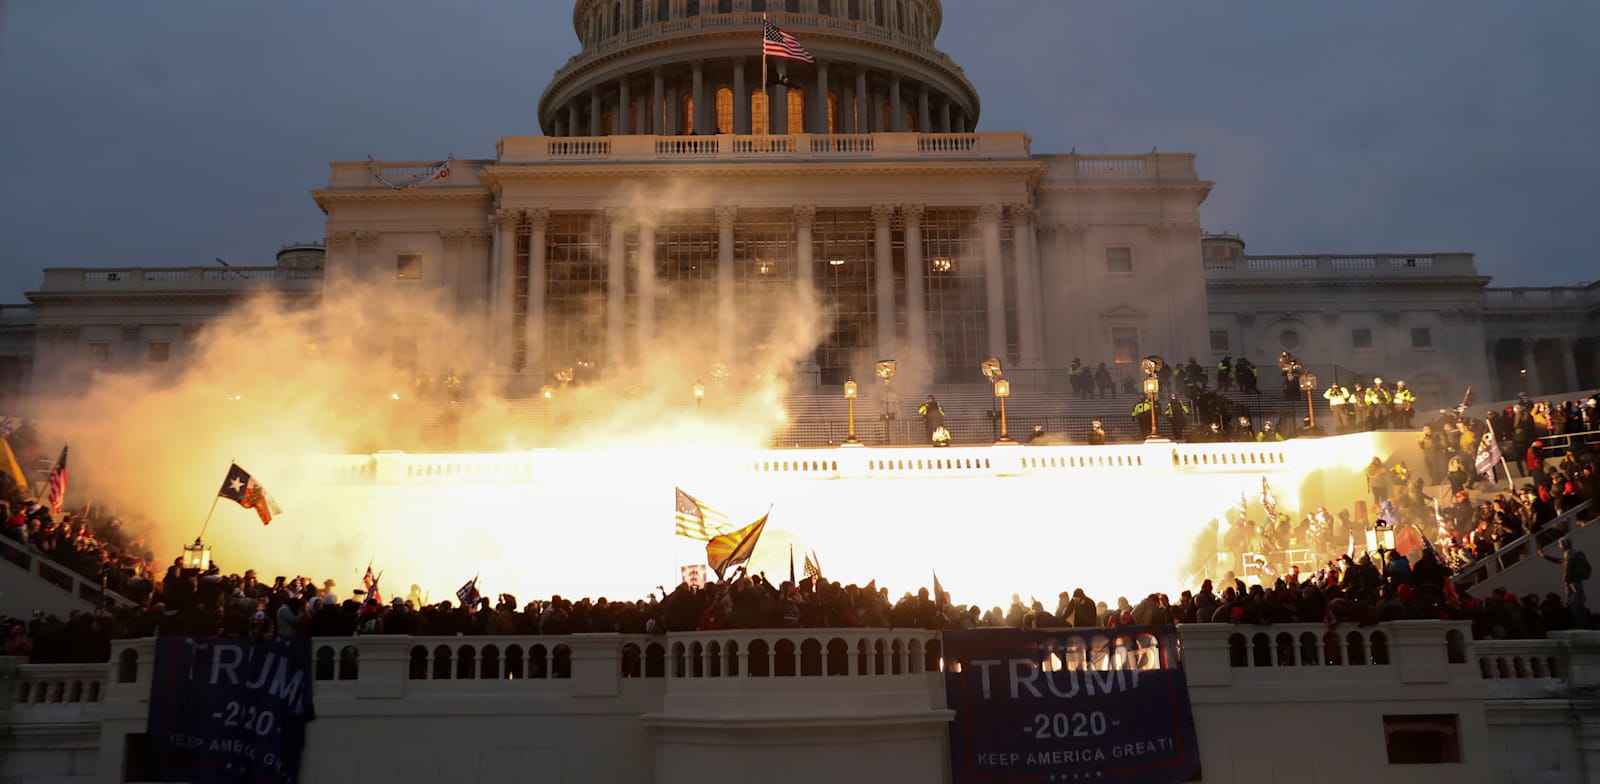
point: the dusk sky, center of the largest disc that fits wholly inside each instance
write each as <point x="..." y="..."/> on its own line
<point x="171" y="133"/>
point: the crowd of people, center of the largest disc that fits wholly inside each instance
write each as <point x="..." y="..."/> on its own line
<point x="1314" y="566"/>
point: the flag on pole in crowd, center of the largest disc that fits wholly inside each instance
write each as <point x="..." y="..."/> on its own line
<point x="696" y="520"/>
<point x="792" y="581"/>
<point x="939" y="602"/>
<point x="12" y="468"/>
<point x="55" y="487"/>
<point x="370" y="583"/>
<point x="726" y="551"/>
<point x="468" y="594"/>
<point x="1268" y="500"/>
<point x="1488" y="455"/>
<point x="813" y="568"/>
<point x="243" y="489"/>
<point x="777" y="43"/>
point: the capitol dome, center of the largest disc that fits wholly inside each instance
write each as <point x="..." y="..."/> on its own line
<point x="671" y="67"/>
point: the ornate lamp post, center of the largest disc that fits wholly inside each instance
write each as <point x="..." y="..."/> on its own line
<point x="196" y="557"/>
<point x="1002" y="390"/>
<point x="1308" y="385"/>
<point x="850" y="399"/>
<point x="885" y="370"/>
<point x="991" y="370"/>
<point x="1152" y="365"/>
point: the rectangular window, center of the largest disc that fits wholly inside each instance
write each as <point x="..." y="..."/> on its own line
<point x="1119" y="261"/>
<point x="160" y="351"/>
<point x="408" y="266"/>
<point x="1421" y="337"/>
<point x="1361" y="337"/>
<point x="1422" y="739"/>
<point x="1219" y="340"/>
<point x="99" y="353"/>
<point x="1124" y="345"/>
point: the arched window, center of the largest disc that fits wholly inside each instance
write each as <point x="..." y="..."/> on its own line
<point x="888" y="124"/>
<point x="608" y="125"/>
<point x="883" y="14"/>
<point x="759" y="116"/>
<point x="638" y="13"/>
<point x="833" y="112"/>
<point x="911" y="121"/>
<point x="633" y="119"/>
<point x="663" y="10"/>
<point x="855" y="9"/>
<point x="797" y="110"/>
<point x="686" y="119"/>
<point x="902" y="16"/>
<point x="724" y="110"/>
<point x="616" y="19"/>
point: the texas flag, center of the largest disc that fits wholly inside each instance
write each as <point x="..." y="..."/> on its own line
<point x="244" y="490"/>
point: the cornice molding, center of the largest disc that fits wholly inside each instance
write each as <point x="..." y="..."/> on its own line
<point x="501" y="174"/>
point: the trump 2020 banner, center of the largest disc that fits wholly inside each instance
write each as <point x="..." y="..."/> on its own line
<point x="1108" y="705"/>
<point x="225" y="710"/>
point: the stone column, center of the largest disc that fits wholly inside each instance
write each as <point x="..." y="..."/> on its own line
<point x="805" y="273"/>
<point x="672" y="124"/>
<point x="1026" y="270"/>
<point x="916" y="294"/>
<point x="944" y="116"/>
<point x="697" y="82"/>
<point x="504" y="288"/>
<point x="863" y="112"/>
<point x="883" y="251"/>
<point x="621" y="126"/>
<point x="572" y="118"/>
<point x="658" y="121"/>
<point x="820" y="122"/>
<point x="616" y="287"/>
<point x="924" y="124"/>
<point x="897" y="114"/>
<point x="727" y="316"/>
<point x="596" y="114"/>
<point x="778" y="110"/>
<point x="847" y="109"/>
<point x="646" y="291"/>
<point x="1569" y="364"/>
<point x="1529" y="364"/>
<point x="993" y="278"/>
<point x="741" y="99"/>
<point x="533" y="331"/>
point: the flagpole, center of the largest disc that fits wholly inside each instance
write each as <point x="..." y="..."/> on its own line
<point x="764" y="97"/>
<point x="1489" y="428"/>
<point x="207" y="524"/>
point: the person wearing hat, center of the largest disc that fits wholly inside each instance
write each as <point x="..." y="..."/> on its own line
<point x="1339" y="402"/>
<point x="1097" y="434"/>
<point x="1403" y="401"/>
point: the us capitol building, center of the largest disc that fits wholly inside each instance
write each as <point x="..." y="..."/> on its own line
<point x="668" y="189"/>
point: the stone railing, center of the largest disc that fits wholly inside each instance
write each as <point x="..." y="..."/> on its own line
<point x="1522" y="298"/>
<point x="1396" y="652"/>
<point x="1452" y="264"/>
<point x="1537" y="669"/>
<point x="79" y="592"/>
<point x="1527" y="546"/>
<point x="845" y="462"/>
<point x="724" y="147"/>
<point x="54" y="693"/>
<point x="149" y="279"/>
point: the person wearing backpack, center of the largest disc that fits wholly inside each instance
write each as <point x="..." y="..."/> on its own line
<point x="1575" y="570"/>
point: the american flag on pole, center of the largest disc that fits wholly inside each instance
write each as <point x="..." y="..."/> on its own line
<point x="696" y="520"/>
<point x="777" y="43"/>
<point x="56" y="485"/>
<point x="468" y="594"/>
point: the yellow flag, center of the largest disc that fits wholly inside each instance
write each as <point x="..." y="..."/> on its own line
<point x="10" y="465"/>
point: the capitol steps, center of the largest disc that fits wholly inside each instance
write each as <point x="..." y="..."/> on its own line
<point x="1518" y="568"/>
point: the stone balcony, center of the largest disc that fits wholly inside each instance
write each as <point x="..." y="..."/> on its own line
<point x="142" y="280"/>
<point x="1398" y="266"/>
<point x="1543" y="298"/>
<point x="1011" y="146"/>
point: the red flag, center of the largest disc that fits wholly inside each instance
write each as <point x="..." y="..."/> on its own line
<point x="56" y="484"/>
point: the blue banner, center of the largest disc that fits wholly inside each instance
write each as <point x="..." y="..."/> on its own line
<point x="1108" y="705"/>
<point x="226" y="710"/>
